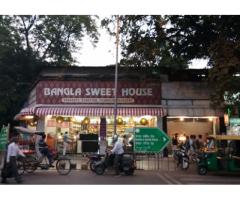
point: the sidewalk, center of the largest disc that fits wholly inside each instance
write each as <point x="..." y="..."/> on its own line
<point x="143" y="162"/>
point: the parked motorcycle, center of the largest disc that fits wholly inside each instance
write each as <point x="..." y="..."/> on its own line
<point x="197" y="156"/>
<point x="92" y="159"/>
<point x="127" y="165"/>
<point x="180" y="157"/>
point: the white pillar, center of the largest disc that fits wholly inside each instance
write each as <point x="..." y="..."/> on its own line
<point x="159" y="122"/>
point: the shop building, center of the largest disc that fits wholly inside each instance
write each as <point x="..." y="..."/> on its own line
<point x="80" y="100"/>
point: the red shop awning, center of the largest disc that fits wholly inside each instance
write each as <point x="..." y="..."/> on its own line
<point x="25" y="111"/>
<point x="100" y="111"/>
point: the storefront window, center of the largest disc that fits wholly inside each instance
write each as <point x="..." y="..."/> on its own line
<point x="126" y="128"/>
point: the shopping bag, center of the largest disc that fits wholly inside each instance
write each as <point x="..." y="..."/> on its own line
<point x="6" y="172"/>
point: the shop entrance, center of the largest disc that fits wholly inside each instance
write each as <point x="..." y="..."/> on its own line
<point x="191" y="126"/>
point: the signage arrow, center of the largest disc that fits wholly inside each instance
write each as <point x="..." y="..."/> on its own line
<point x="149" y="139"/>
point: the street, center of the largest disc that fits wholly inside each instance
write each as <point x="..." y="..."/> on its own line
<point x="140" y="177"/>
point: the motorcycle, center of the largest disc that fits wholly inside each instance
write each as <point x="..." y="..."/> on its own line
<point x="181" y="158"/>
<point x="127" y="165"/>
<point x="197" y="157"/>
<point x="92" y="159"/>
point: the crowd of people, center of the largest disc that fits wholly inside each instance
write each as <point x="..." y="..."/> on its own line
<point x="191" y="143"/>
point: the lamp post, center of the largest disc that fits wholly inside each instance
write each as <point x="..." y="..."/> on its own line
<point x="116" y="79"/>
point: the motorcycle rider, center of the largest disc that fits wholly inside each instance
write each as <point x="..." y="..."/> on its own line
<point x="118" y="150"/>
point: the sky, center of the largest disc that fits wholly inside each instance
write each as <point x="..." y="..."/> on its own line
<point x="105" y="52"/>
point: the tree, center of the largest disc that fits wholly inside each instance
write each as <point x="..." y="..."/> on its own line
<point x="55" y="37"/>
<point x="29" y="42"/>
<point x="143" y="41"/>
<point x="154" y="40"/>
<point x="11" y="56"/>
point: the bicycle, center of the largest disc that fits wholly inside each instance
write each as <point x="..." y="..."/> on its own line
<point x="31" y="163"/>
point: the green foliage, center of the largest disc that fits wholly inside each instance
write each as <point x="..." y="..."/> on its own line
<point x="174" y="40"/>
<point x="143" y="40"/>
<point x="30" y="42"/>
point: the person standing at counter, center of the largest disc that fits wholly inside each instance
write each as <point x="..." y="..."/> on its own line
<point x="175" y="142"/>
<point x="65" y="142"/>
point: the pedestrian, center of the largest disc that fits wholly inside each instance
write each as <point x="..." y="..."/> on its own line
<point x="199" y="143"/>
<point x="118" y="151"/>
<point x="65" y="142"/>
<point x="175" y="142"/>
<point x="44" y="150"/>
<point x="205" y="139"/>
<point x="124" y="143"/>
<point x="187" y="145"/>
<point x="12" y="152"/>
<point x="4" y="178"/>
<point x="191" y="147"/>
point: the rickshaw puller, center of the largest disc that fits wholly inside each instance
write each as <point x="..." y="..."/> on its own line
<point x="44" y="150"/>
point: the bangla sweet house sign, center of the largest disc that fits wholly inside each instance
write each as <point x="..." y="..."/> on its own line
<point x="95" y="92"/>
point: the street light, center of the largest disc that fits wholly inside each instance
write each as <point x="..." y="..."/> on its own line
<point x="116" y="79"/>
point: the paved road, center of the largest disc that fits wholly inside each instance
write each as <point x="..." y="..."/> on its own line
<point x="140" y="177"/>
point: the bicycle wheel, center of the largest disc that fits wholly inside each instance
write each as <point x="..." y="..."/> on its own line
<point x="31" y="164"/>
<point x="21" y="167"/>
<point x="63" y="166"/>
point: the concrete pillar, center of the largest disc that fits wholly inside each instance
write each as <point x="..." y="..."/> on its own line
<point x="159" y="122"/>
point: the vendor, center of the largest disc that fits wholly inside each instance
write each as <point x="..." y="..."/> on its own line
<point x="32" y="142"/>
<point x="49" y="136"/>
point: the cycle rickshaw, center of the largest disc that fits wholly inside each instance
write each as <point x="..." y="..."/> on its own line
<point x="35" y="159"/>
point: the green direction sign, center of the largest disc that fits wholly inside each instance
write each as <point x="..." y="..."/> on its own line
<point x="149" y="139"/>
<point x="3" y="138"/>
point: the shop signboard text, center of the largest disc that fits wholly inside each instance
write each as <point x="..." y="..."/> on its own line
<point x="95" y="92"/>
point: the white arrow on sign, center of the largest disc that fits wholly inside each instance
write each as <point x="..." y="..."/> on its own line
<point x="164" y="139"/>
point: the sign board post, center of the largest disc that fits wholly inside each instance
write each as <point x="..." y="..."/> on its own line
<point x="149" y="139"/>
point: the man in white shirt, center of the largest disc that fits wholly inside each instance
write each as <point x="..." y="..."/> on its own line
<point x="13" y="151"/>
<point x="118" y="150"/>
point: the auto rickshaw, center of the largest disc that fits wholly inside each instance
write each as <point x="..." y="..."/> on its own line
<point x="215" y="157"/>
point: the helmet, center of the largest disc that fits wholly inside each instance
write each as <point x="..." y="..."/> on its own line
<point x="114" y="138"/>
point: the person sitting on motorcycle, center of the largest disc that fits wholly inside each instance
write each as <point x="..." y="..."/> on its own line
<point x="118" y="150"/>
